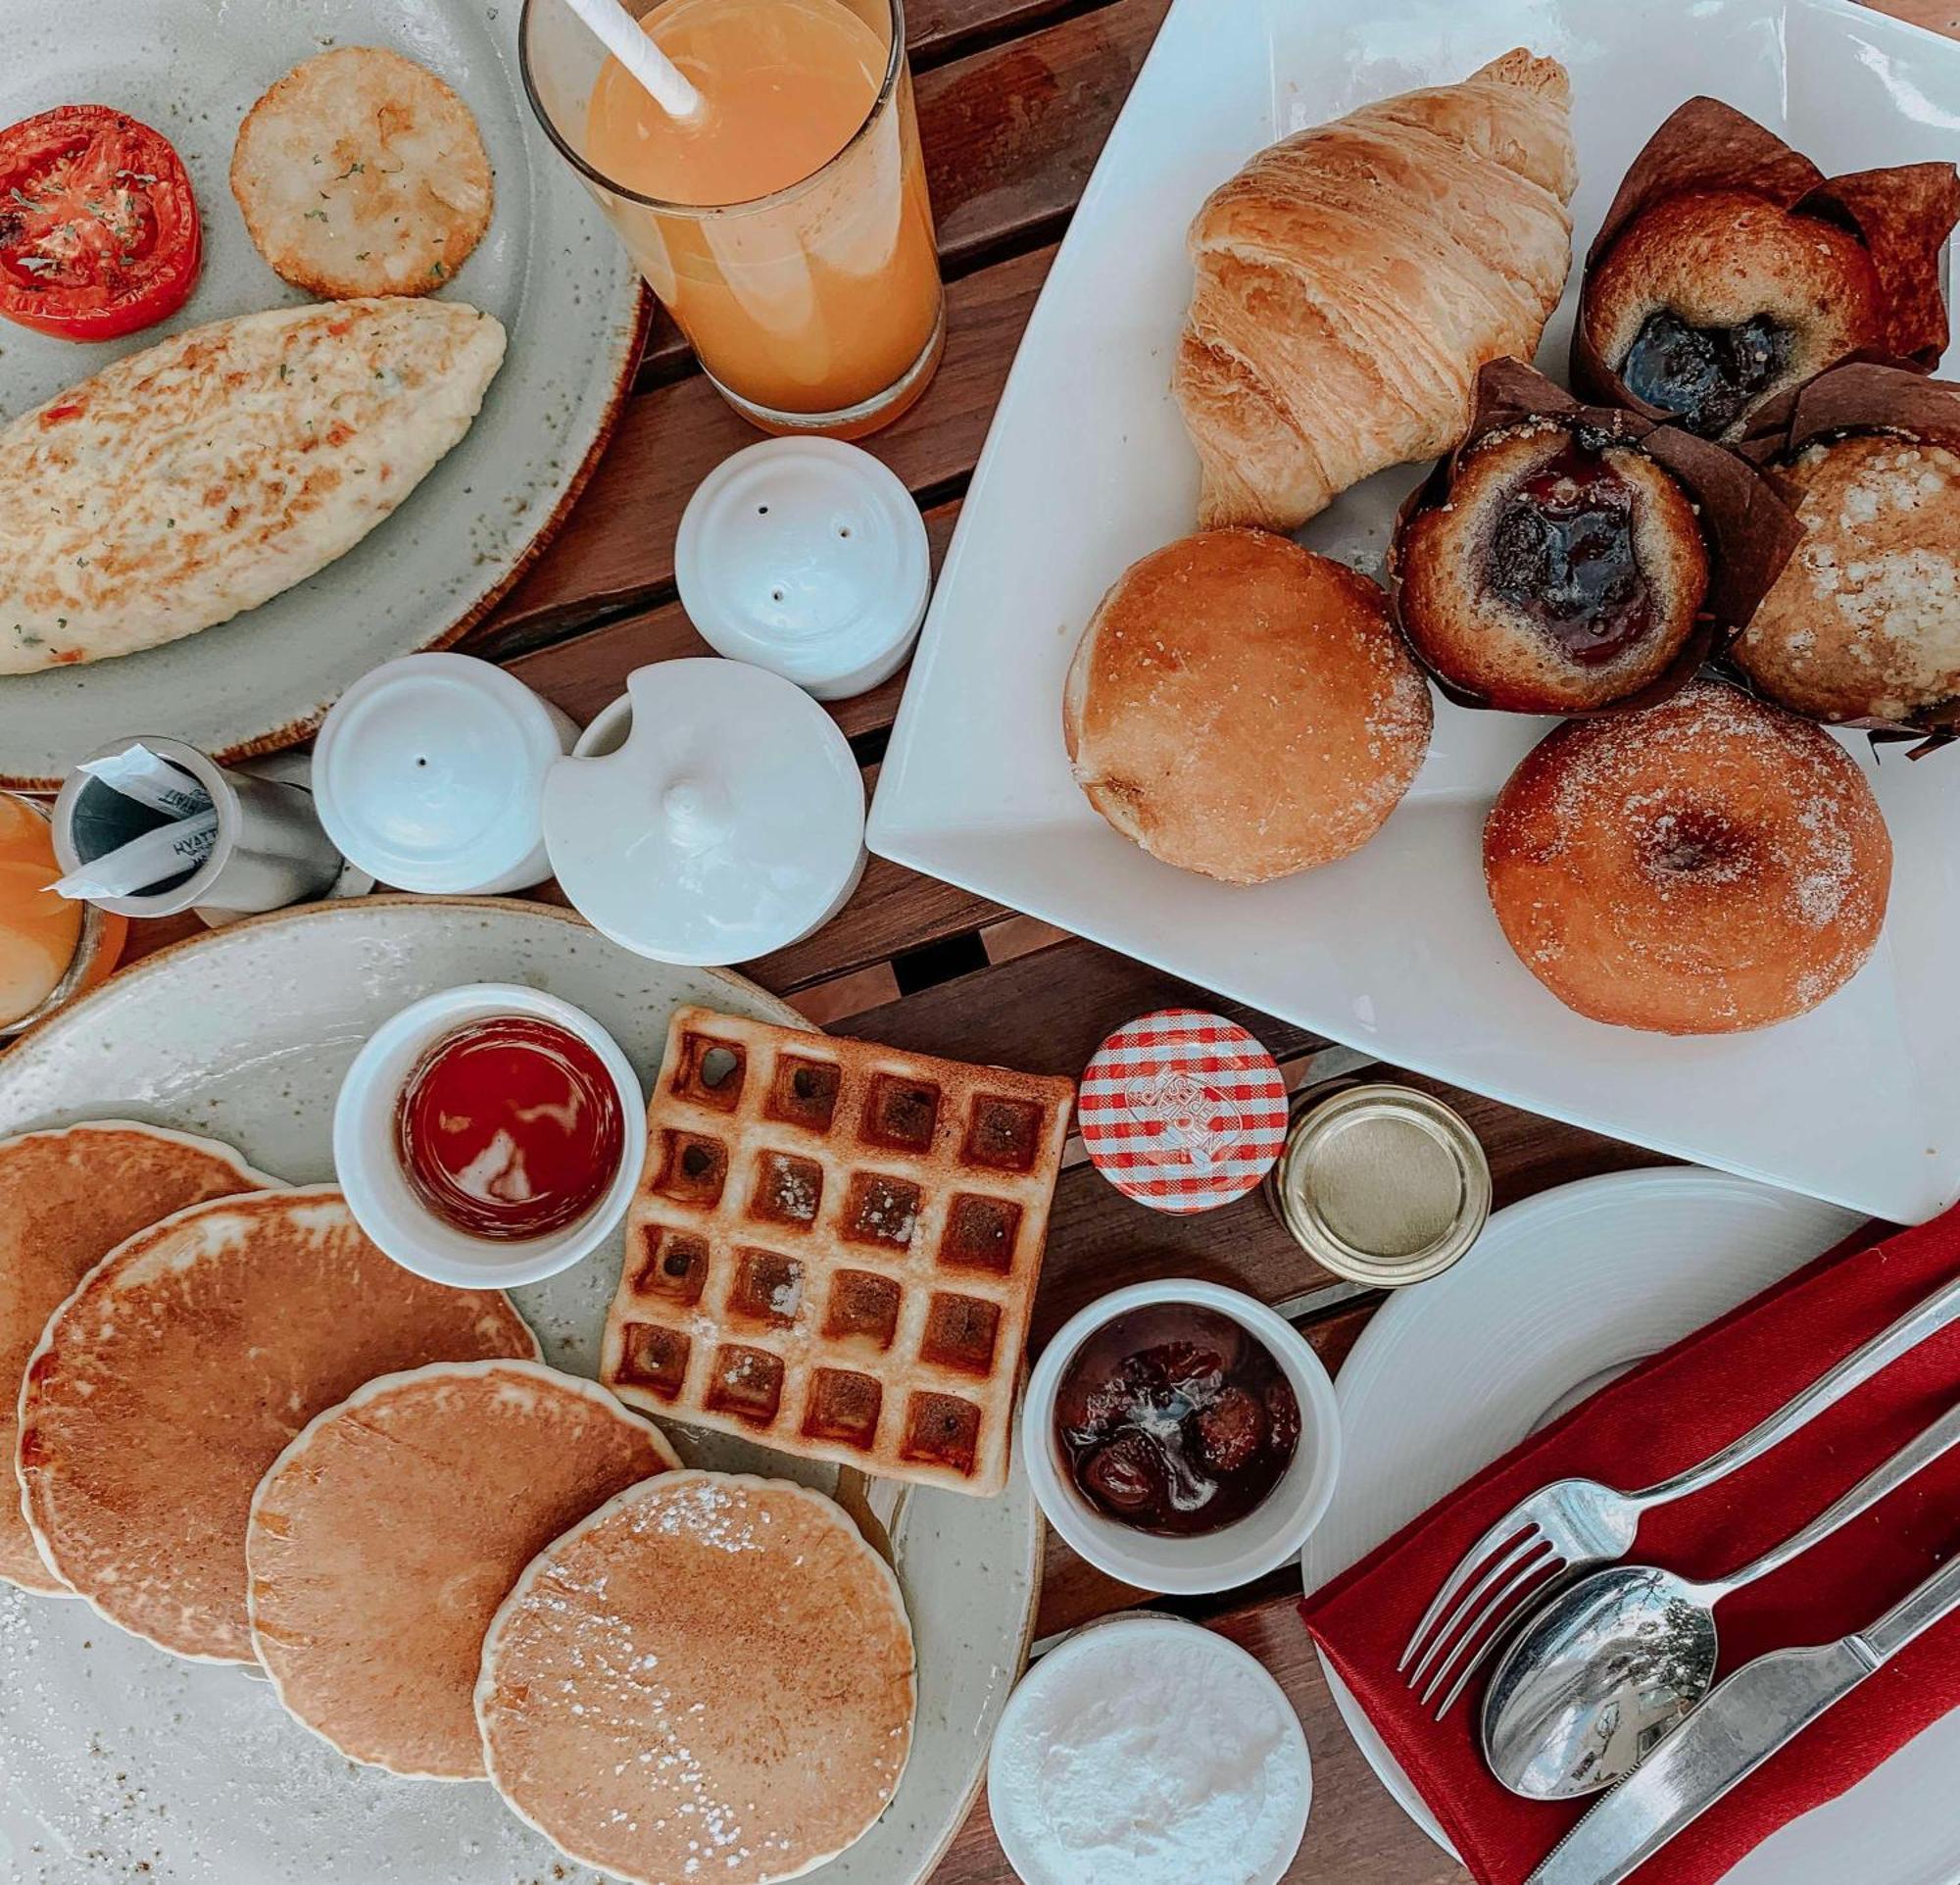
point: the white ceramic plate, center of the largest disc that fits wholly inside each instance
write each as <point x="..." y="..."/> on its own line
<point x="548" y="269"/>
<point x="1560" y="1294"/>
<point x="114" y="1754"/>
<point x="1394" y="950"/>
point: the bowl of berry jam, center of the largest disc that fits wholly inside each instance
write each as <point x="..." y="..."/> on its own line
<point x="1181" y="1436"/>
<point x="489" y="1135"/>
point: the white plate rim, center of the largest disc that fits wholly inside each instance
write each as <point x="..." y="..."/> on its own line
<point x="48" y="1033"/>
<point x="1371" y="1357"/>
<point x="908" y="831"/>
<point x="619" y="324"/>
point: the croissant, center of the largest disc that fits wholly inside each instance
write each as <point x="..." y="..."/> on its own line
<point x="1353" y="278"/>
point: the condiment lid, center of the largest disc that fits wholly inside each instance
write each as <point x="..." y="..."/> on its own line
<point x="1182" y="1110"/>
<point x="429" y="773"/>
<point x="1383" y="1184"/>
<point x="730" y="822"/>
<point x="809" y="557"/>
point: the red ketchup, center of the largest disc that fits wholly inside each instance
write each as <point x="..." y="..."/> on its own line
<point x="509" y="1128"/>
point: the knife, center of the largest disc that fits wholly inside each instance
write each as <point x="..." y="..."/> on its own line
<point x="1762" y="1708"/>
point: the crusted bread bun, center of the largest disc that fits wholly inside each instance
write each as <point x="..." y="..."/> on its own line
<point x="1241" y="707"/>
<point x="1864" y="623"/>
<point x="360" y="173"/>
<point x="1710" y="864"/>
<point x="1713" y="301"/>
<point x="1564" y="572"/>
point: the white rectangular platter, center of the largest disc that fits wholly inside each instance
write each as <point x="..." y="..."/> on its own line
<point x="1394" y="950"/>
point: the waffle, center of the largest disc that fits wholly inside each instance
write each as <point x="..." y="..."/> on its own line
<point x="834" y="1248"/>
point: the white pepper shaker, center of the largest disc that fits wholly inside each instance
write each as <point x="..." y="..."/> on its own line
<point x="429" y="773"/>
<point x="809" y="557"/>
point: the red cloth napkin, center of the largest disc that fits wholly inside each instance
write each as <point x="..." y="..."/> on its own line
<point x="1667" y="1415"/>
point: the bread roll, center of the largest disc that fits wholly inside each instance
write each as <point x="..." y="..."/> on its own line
<point x="1352" y="279"/>
<point x="1241" y="707"/>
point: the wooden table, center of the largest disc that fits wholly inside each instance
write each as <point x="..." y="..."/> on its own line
<point x="1014" y="98"/>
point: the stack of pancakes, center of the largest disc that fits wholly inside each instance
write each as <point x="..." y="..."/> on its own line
<point x="245" y="1436"/>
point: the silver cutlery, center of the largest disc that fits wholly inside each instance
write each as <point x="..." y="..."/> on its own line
<point x="1613" y="1663"/>
<point x="1760" y="1709"/>
<point x="1576" y="1525"/>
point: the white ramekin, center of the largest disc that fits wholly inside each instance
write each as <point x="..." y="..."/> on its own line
<point x="1236" y="1554"/>
<point x="370" y="1170"/>
<point x="1076" y="1658"/>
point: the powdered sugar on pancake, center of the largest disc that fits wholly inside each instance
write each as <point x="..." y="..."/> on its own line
<point x="712" y="1677"/>
<point x="382" y="1540"/>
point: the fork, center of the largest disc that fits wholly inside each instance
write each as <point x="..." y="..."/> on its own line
<point x="1576" y="1525"/>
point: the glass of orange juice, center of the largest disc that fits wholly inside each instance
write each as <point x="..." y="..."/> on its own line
<point x="50" y="949"/>
<point x="785" y="226"/>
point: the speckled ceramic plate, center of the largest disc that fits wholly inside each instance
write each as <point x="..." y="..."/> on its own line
<point x="548" y="269"/>
<point x="118" y="1760"/>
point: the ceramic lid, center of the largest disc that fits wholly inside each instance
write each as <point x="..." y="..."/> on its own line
<point x="430" y="772"/>
<point x="730" y="822"/>
<point x="806" y="557"/>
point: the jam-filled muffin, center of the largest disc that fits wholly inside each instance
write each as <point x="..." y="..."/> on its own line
<point x="1565" y="571"/>
<point x="1711" y="301"/>
<point x="1864" y="623"/>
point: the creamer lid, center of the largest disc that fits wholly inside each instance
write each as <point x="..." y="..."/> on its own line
<point x="728" y="824"/>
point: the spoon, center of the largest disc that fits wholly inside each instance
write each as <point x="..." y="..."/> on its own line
<point x="1613" y="1662"/>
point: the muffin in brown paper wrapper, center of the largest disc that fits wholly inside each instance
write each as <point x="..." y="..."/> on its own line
<point x="1747" y="529"/>
<point x="1867" y="393"/>
<point x="1902" y="215"/>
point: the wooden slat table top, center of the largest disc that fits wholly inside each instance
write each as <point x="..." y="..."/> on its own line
<point x="1016" y="98"/>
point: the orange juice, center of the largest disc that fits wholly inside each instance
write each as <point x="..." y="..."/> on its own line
<point x="803" y="271"/>
<point x="39" y="931"/>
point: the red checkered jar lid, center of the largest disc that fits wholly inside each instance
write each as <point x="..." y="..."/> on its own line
<point x="1182" y="1110"/>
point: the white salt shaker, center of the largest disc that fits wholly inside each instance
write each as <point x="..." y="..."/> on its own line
<point x="429" y="773"/>
<point x="809" y="557"/>
<point x="713" y="814"/>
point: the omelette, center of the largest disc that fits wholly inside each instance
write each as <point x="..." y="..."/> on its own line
<point x="214" y="470"/>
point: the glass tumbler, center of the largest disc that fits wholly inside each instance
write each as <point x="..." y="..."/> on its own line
<point x="816" y="309"/>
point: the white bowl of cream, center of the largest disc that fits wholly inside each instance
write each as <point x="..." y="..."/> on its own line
<point x="1147" y="1750"/>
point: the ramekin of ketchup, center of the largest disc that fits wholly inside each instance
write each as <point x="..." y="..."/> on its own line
<point x="489" y="1135"/>
<point x="1181" y="1436"/>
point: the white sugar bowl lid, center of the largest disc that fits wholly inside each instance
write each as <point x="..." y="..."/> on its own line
<point x="429" y="773"/>
<point x="713" y="814"/>
<point x="809" y="557"/>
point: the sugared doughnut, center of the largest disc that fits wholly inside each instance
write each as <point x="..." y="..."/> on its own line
<point x="1565" y="571"/>
<point x="1241" y="706"/>
<point x="1710" y="301"/>
<point x="1710" y="864"/>
<point x="1864" y="623"/>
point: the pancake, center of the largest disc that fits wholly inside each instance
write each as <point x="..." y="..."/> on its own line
<point x="709" y="1678"/>
<point x="177" y="1372"/>
<point x="67" y="1199"/>
<point x="385" y="1536"/>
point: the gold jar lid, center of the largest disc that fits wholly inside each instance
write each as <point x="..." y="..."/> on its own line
<point x="1381" y="1184"/>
